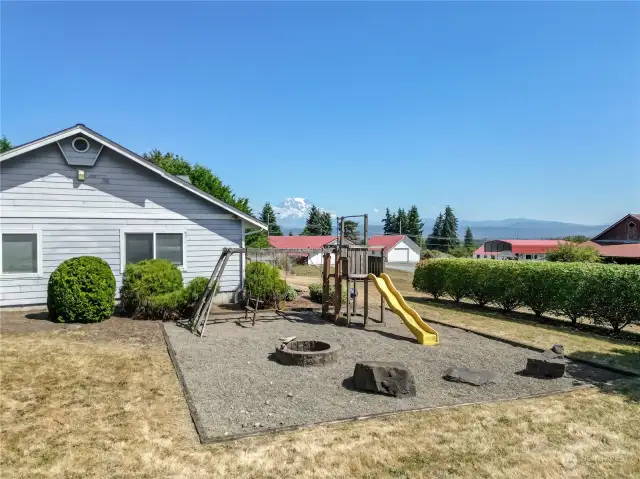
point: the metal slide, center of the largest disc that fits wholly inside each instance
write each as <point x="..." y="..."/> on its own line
<point x="424" y="333"/>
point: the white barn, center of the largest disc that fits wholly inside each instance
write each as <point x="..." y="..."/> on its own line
<point x="76" y="193"/>
<point x="397" y="248"/>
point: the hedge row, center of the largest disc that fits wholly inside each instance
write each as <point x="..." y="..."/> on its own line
<point x="605" y="294"/>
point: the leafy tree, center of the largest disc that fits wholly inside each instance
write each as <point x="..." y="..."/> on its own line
<point x="290" y="233"/>
<point x="351" y="231"/>
<point x="269" y="217"/>
<point x="461" y="251"/>
<point x="576" y="238"/>
<point x="401" y="221"/>
<point x="468" y="238"/>
<point x="318" y="223"/>
<point x="257" y="240"/>
<point x="5" y="144"/>
<point x="200" y="176"/>
<point x="434" y="241"/>
<point x="415" y="226"/>
<point x="569" y="252"/>
<point x="389" y="223"/>
<point x="450" y="228"/>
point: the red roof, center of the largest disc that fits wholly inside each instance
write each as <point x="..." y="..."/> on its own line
<point x="388" y="241"/>
<point x="522" y="246"/>
<point x="312" y="242"/>
<point x="616" y="250"/>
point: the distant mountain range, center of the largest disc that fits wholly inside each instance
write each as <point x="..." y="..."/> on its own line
<point x="293" y="211"/>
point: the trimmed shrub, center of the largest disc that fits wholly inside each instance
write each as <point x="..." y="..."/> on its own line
<point x="459" y="280"/>
<point x="174" y="305"/>
<point x="615" y="293"/>
<point x="82" y="290"/>
<point x="289" y="294"/>
<point x="151" y="277"/>
<point x="506" y="287"/>
<point x="263" y="282"/>
<point x="430" y="277"/>
<point x="541" y="286"/>
<point x="315" y="293"/>
<point x="572" y="296"/>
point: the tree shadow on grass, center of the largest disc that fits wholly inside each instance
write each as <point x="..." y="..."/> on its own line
<point x="584" y="329"/>
<point x="609" y="382"/>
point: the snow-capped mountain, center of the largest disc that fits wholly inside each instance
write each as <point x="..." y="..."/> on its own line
<point x="292" y="210"/>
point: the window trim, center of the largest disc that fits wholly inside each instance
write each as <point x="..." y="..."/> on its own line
<point x="73" y="144"/>
<point x="154" y="230"/>
<point x="38" y="273"/>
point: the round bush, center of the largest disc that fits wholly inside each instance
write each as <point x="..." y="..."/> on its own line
<point x="263" y="282"/>
<point x="81" y="290"/>
<point x="151" y="277"/>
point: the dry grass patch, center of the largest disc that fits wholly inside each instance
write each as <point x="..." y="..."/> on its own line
<point x="73" y="407"/>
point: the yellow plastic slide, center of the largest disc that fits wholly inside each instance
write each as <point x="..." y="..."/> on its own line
<point x="424" y="333"/>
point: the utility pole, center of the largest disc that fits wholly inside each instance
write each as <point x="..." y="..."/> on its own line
<point x="400" y="221"/>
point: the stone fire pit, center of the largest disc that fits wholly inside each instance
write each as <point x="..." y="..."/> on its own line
<point x="306" y="353"/>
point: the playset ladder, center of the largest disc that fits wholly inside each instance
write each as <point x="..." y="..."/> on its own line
<point x="203" y="307"/>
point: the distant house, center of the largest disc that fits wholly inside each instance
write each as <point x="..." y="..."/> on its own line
<point x="304" y="242"/>
<point x="518" y="249"/>
<point x="397" y="248"/>
<point x="620" y="242"/>
<point x="77" y="193"/>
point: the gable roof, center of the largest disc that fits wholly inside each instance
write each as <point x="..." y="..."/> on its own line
<point x="311" y="242"/>
<point x="535" y="246"/>
<point x="635" y="216"/>
<point x="391" y="241"/>
<point x="80" y="129"/>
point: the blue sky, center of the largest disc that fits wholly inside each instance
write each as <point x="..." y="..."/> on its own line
<point x="499" y="109"/>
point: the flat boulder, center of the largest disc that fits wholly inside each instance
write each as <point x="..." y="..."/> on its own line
<point x="390" y="378"/>
<point x="476" y="377"/>
<point x="548" y="365"/>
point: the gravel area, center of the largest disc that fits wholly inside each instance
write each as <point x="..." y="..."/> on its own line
<point x="235" y="387"/>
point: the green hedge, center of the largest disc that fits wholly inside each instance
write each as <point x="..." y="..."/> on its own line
<point x="605" y="294"/>
<point x="151" y="277"/>
<point x="263" y="282"/>
<point x="81" y="289"/>
<point x="174" y="305"/>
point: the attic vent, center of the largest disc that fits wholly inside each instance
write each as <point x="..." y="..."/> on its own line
<point x="80" y="144"/>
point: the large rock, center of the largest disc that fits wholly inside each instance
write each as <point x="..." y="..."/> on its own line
<point x="549" y="364"/>
<point x="476" y="377"/>
<point x="389" y="378"/>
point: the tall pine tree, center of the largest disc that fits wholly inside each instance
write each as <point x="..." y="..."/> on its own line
<point x="414" y="225"/>
<point x="318" y="223"/>
<point x="434" y="241"/>
<point x="389" y="223"/>
<point x="450" y="229"/>
<point x="468" y="238"/>
<point x="268" y="217"/>
<point x="401" y="222"/>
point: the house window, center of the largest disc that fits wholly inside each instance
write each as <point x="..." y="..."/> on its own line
<point x="141" y="246"/>
<point x="477" y="256"/>
<point x="528" y="256"/>
<point x="20" y="253"/>
<point x="80" y="144"/>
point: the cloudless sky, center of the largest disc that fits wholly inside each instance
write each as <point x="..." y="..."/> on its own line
<point x="499" y="109"/>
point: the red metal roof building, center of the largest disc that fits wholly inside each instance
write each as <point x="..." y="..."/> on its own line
<point x="313" y="242"/>
<point x="517" y="249"/>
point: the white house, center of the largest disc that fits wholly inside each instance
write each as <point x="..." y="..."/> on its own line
<point x="397" y="248"/>
<point x="76" y="193"/>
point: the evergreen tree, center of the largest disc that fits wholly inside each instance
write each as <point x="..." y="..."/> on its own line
<point x="468" y="238"/>
<point x="318" y="223"/>
<point x="434" y="241"/>
<point x="351" y="231"/>
<point x="449" y="229"/>
<point x="5" y="144"/>
<point x="389" y="223"/>
<point x="268" y="217"/>
<point x="290" y="233"/>
<point x="401" y="222"/>
<point x="414" y="225"/>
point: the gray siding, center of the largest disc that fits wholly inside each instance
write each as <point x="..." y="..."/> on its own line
<point x="40" y="192"/>
<point x="75" y="158"/>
